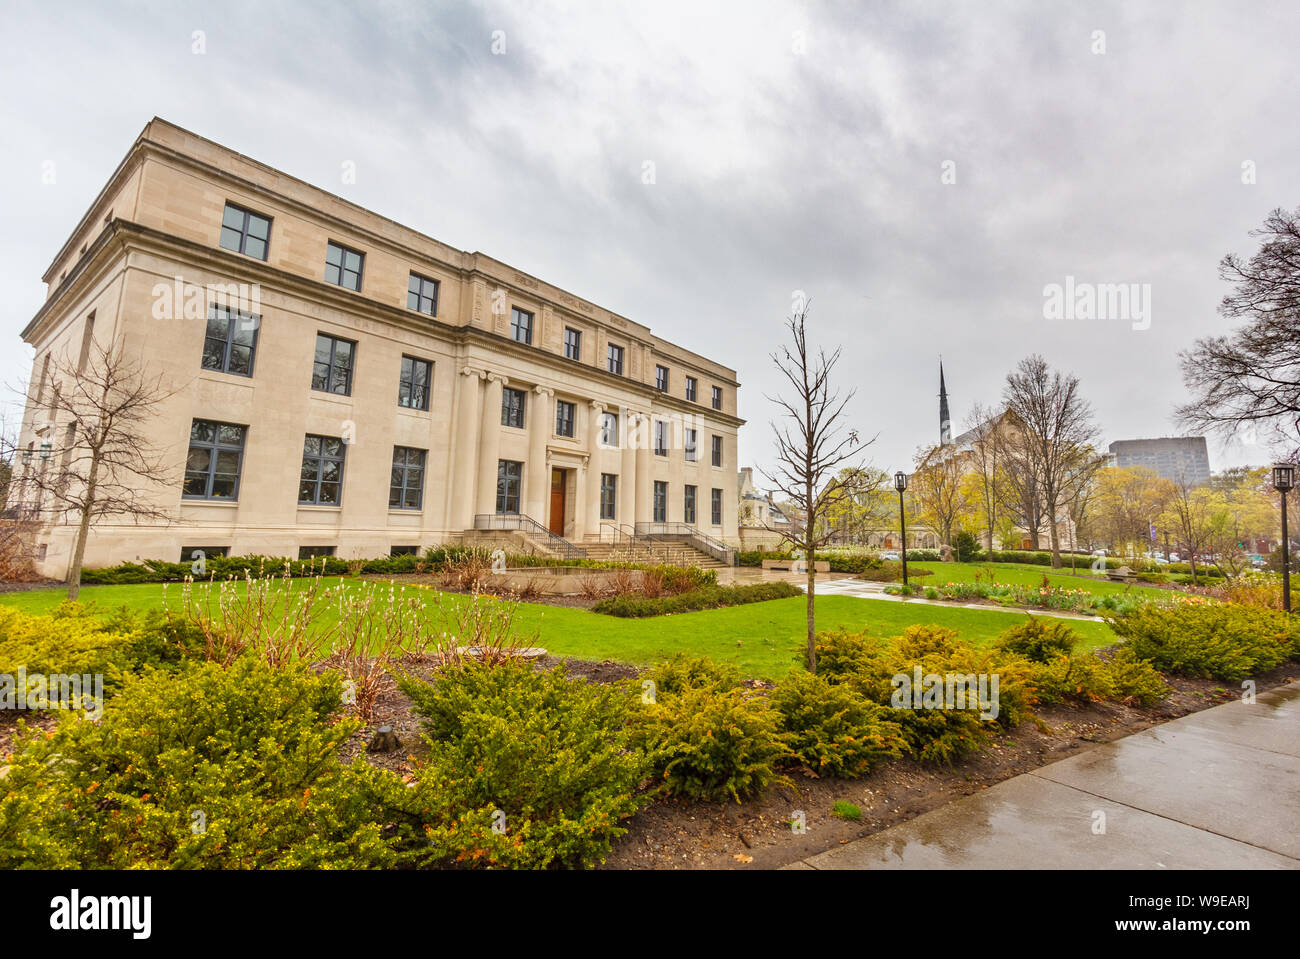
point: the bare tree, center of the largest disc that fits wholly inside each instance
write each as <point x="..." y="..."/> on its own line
<point x="1056" y="421"/>
<point x="1018" y="492"/>
<point x="985" y="426"/>
<point x="812" y="447"/>
<point x="103" y="459"/>
<point x="1251" y="379"/>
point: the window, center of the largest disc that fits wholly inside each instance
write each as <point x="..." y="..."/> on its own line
<point x="691" y="385"/>
<point x="214" y="460"/>
<point x="509" y="477"/>
<point x="661" y="379"/>
<point x="715" y="507"/>
<point x="661" y="438"/>
<point x="332" y="368"/>
<point x="205" y="552"/>
<point x="609" y="429"/>
<point x="572" y="343"/>
<point x="413" y="383"/>
<point x="564" y="413"/>
<point x="608" y="495"/>
<point x="690" y="446"/>
<point x="616" y="359"/>
<point x="688" y="505"/>
<point x="512" y="408"/>
<point x="343" y="266"/>
<point x="245" y="231"/>
<point x="230" y="341"/>
<point x="521" y="326"/>
<point x="422" y="295"/>
<point x="661" y="501"/>
<point x="717" y="451"/>
<point x="321" y="480"/>
<point x="404" y="551"/>
<point x="406" y="488"/>
<point x="717" y="397"/>
<point x="314" y="552"/>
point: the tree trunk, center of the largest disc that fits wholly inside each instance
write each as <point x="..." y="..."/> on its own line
<point x="83" y="530"/>
<point x="812" y="595"/>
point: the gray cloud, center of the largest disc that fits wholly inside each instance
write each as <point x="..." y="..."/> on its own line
<point x="775" y="170"/>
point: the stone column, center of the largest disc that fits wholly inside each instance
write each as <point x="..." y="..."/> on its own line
<point x="625" y="504"/>
<point x="463" y="489"/>
<point x="489" y="443"/>
<point x="644" y="486"/>
<point x="537" y="482"/>
<point x="588" y="504"/>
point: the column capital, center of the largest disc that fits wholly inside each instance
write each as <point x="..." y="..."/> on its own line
<point x="497" y="378"/>
<point x="471" y="371"/>
<point x="598" y="406"/>
<point x="543" y="391"/>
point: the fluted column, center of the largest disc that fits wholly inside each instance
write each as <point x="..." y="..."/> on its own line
<point x="644" y="488"/>
<point x="489" y="443"/>
<point x="537" y="485"/>
<point x="588" y="504"/>
<point x="625" y="505"/>
<point x="464" y="491"/>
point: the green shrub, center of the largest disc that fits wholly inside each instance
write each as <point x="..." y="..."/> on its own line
<point x="68" y="640"/>
<point x="712" y="597"/>
<point x="712" y="743"/>
<point x="832" y="729"/>
<point x="203" y="768"/>
<point x="1087" y="677"/>
<point x="685" y="671"/>
<point x="1222" y="641"/>
<point x="1038" y="639"/>
<point x="543" y="758"/>
<point x="966" y="547"/>
<point x="840" y="654"/>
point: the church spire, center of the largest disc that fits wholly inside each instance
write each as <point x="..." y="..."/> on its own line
<point x="945" y="422"/>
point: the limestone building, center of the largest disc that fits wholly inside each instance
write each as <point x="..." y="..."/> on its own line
<point x="344" y="384"/>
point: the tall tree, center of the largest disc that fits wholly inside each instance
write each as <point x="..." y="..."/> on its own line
<point x="939" y="490"/>
<point x="812" y="447"/>
<point x="104" y="461"/>
<point x="984" y="426"/>
<point x="1251" y="378"/>
<point x="1056" y="421"/>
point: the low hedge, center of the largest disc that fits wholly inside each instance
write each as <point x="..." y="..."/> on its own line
<point x="1211" y="640"/>
<point x="840" y="562"/>
<point x="636" y="607"/>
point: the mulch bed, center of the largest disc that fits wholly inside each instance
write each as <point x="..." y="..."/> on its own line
<point x="676" y="834"/>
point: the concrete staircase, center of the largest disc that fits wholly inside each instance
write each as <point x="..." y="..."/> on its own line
<point x="669" y="552"/>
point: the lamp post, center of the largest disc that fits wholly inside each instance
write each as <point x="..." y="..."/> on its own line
<point x="1283" y="481"/>
<point x="900" y="484"/>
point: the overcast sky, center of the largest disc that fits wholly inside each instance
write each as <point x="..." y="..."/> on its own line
<point x="795" y="146"/>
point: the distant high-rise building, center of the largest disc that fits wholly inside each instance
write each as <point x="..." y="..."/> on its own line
<point x="1182" y="459"/>
<point x="945" y="422"/>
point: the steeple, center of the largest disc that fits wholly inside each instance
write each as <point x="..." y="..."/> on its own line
<point x="945" y="422"/>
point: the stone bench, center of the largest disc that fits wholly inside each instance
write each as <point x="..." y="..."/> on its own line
<point x="821" y="565"/>
<point x="1121" y="575"/>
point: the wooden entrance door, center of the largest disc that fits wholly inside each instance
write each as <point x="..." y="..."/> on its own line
<point x="557" y="502"/>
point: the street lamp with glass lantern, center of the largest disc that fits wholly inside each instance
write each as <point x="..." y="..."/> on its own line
<point x="1283" y="482"/>
<point x="900" y="484"/>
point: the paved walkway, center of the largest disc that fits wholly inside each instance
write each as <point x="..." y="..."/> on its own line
<point x="1217" y="789"/>
<point x="864" y="589"/>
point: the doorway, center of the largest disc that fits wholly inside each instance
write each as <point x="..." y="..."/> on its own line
<point x="558" y="490"/>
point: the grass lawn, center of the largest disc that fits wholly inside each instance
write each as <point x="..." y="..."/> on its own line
<point x="1024" y="574"/>
<point x="759" y="637"/>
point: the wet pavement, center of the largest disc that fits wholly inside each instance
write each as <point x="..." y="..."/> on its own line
<point x="1216" y="789"/>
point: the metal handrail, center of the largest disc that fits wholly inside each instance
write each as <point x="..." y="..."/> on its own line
<point x="623" y="531"/>
<point x="530" y="526"/>
<point x="701" y="541"/>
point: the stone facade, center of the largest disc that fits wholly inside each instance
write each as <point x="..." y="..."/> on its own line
<point x="150" y="263"/>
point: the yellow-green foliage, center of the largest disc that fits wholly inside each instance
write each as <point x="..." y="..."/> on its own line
<point x="1039" y="638"/>
<point x="526" y="768"/>
<point x="206" y="768"/>
<point x="832" y="729"/>
<point x="1222" y="641"/>
<point x="709" y="742"/>
<point x="1124" y="677"/>
<point x="69" y="640"/>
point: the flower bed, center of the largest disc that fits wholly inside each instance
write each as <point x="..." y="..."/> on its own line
<point x="1045" y="597"/>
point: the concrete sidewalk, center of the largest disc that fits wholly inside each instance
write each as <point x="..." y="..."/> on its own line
<point x="865" y="589"/>
<point x="1217" y="789"/>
